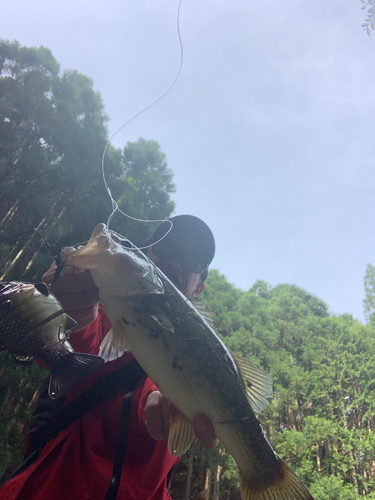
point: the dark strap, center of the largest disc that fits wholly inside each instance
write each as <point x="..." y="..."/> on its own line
<point x="106" y="387"/>
<point x="30" y="459"/>
<point x="121" y="448"/>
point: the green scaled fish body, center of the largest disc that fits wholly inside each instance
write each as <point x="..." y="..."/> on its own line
<point x="188" y="362"/>
<point x="33" y="324"/>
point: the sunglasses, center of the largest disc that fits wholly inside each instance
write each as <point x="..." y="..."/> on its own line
<point x="188" y="261"/>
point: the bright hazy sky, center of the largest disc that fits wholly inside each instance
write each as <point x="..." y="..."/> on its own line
<point x="269" y="130"/>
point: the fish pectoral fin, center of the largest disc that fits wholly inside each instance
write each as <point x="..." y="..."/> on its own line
<point x="107" y="351"/>
<point x="117" y="337"/>
<point x="181" y="433"/>
<point x="163" y="321"/>
<point x="285" y="485"/>
<point x="256" y="382"/>
<point x="156" y="318"/>
<point x="68" y="370"/>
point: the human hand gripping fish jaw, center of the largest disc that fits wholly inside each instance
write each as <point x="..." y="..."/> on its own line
<point x="115" y="269"/>
<point x="186" y="360"/>
<point x="158" y="409"/>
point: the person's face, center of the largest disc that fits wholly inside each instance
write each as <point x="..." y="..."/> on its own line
<point x="188" y="282"/>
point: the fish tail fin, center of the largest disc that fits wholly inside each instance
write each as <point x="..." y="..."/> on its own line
<point x="287" y="486"/>
<point x="69" y="369"/>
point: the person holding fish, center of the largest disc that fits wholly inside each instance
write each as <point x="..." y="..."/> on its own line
<point x="106" y="438"/>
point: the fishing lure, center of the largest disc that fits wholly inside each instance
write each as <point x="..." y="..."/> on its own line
<point x="33" y="324"/>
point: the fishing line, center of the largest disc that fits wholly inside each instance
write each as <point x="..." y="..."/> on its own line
<point x="115" y="207"/>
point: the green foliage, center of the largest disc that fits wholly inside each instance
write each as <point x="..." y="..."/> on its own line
<point x="18" y="389"/>
<point x="52" y="136"/>
<point x="370" y="20"/>
<point x="369" y="301"/>
<point x="331" y="487"/>
<point x="144" y="188"/>
<point x="321" y="420"/>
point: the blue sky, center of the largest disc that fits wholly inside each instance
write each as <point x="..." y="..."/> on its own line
<point x="269" y="130"/>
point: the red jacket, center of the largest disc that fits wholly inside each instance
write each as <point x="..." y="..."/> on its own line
<point x="78" y="463"/>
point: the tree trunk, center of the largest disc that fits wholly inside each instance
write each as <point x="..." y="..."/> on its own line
<point x="21" y="252"/>
<point x="190" y="472"/>
<point x="217" y="482"/>
<point x="215" y="493"/>
<point x="351" y="456"/>
<point x="207" y="485"/>
<point x="42" y="243"/>
<point x="9" y="215"/>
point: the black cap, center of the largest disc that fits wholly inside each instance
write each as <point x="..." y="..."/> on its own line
<point x="195" y="228"/>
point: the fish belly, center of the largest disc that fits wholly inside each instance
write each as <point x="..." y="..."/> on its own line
<point x="186" y="373"/>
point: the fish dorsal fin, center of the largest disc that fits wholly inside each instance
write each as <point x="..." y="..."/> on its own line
<point x="202" y="311"/>
<point x="181" y="433"/>
<point x="256" y="382"/>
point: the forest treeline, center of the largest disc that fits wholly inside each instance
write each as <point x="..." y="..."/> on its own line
<point x="52" y="136"/>
<point x="321" y="419"/>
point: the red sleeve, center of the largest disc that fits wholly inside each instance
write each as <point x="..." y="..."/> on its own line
<point x="142" y="448"/>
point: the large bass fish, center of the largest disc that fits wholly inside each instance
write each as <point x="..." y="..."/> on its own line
<point x="187" y="361"/>
<point x="33" y="324"/>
